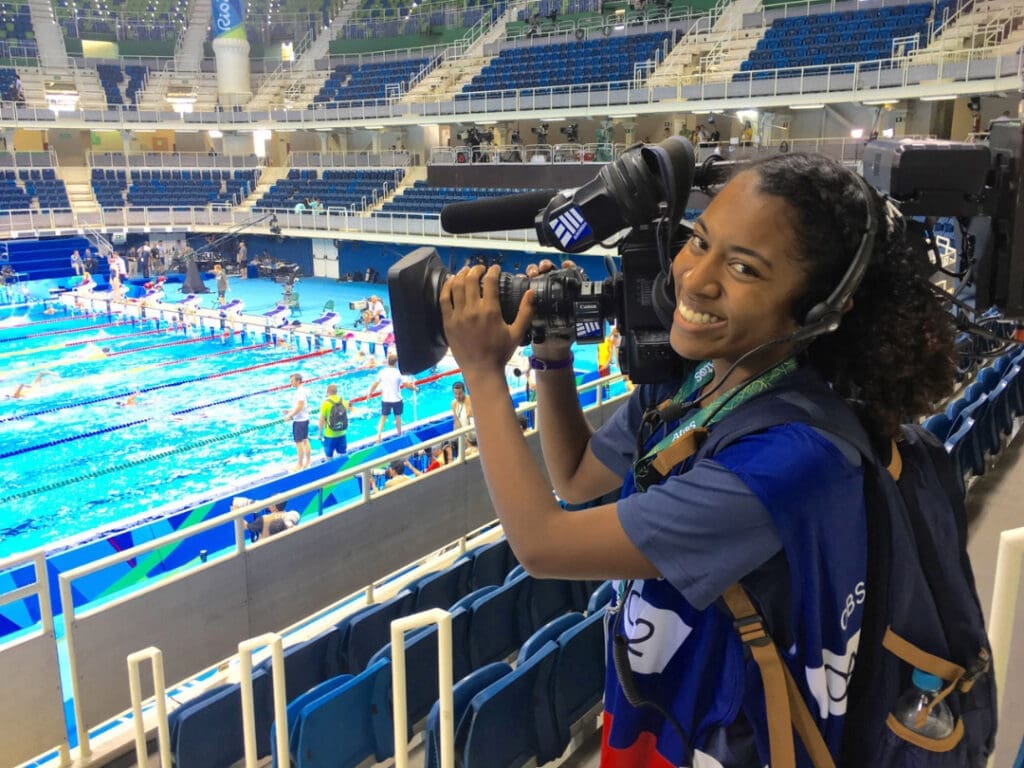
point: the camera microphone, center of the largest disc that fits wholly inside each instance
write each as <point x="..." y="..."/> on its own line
<point x="495" y="214"/>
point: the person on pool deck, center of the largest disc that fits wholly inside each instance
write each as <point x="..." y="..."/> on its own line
<point x="334" y="441"/>
<point x="298" y="415"/>
<point x="390" y="383"/>
<point x="222" y="282"/>
<point x="782" y="510"/>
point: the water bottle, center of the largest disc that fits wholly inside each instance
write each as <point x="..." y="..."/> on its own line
<point x="939" y="722"/>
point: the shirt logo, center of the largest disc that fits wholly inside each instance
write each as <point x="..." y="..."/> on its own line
<point x="570" y="227"/>
<point x="653" y="634"/>
<point x="829" y="683"/>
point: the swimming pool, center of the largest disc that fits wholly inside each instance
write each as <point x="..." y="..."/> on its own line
<point x="206" y="415"/>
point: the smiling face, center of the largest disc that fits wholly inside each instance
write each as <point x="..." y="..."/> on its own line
<point x="737" y="279"/>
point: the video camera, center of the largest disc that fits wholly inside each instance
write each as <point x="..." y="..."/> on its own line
<point x="541" y="132"/>
<point x="474" y="136"/>
<point x="571" y="132"/>
<point x="645" y="191"/>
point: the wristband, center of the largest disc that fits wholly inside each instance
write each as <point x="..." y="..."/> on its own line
<point x="539" y="364"/>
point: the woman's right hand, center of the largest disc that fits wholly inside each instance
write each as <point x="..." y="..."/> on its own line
<point x="553" y="347"/>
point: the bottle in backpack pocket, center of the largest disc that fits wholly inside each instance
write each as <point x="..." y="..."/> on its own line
<point x="912" y="707"/>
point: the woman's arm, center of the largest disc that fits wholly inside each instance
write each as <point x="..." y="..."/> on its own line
<point x="548" y="540"/>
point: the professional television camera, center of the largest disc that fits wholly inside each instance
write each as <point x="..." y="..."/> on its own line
<point x="980" y="186"/>
<point x="645" y="191"/>
<point x="571" y="132"/>
<point x="541" y="132"/>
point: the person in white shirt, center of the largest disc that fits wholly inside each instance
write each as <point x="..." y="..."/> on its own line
<point x="298" y="415"/>
<point x="390" y="384"/>
<point x="377" y="311"/>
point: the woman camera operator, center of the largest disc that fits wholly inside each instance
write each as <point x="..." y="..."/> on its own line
<point x="780" y="511"/>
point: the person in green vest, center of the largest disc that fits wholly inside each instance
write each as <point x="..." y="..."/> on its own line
<point x="334" y="423"/>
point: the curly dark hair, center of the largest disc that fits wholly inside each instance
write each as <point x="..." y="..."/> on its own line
<point x="893" y="355"/>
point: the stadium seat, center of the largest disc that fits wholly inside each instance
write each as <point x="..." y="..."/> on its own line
<point x="308" y="664"/>
<point x="962" y="444"/>
<point x="495" y="627"/>
<point x="601" y="597"/>
<point x="207" y="732"/>
<point x="462" y="694"/>
<point x="443" y="588"/>
<point x="295" y="707"/>
<point x="577" y="678"/>
<point x="421" y="663"/>
<point x="550" y="632"/>
<point x="512" y="720"/>
<point x="370" y="630"/>
<point x="349" y="724"/>
<point x="939" y="425"/>
<point x="491" y="563"/>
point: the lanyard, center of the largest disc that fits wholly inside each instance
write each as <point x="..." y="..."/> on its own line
<point x="686" y="438"/>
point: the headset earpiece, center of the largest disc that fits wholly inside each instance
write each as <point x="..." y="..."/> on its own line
<point x="826" y="316"/>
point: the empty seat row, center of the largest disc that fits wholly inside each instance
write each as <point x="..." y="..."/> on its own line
<point x="973" y="426"/>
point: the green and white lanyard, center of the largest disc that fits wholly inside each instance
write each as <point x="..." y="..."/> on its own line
<point x="677" y="446"/>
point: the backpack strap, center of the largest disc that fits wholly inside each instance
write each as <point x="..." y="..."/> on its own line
<point x="784" y="705"/>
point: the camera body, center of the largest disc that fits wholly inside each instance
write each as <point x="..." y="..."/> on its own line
<point x="571" y="132"/>
<point x="541" y="131"/>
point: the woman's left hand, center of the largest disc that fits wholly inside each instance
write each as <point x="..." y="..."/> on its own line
<point x="479" y="337"/>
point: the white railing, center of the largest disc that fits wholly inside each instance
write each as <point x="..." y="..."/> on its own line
<point x="173" y="160"/>
<point x="396" y="158"/>
<point x="841" y="82"/>
<point x="236" y="519"/>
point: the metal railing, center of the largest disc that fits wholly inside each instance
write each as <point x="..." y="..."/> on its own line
<point x="236" y="520"/>
<point x="394" y="158"/>
<point x="173" y="160"/>
<point x="843" y="81"/>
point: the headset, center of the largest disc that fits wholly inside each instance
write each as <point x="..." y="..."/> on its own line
<point x="823" y="318"/>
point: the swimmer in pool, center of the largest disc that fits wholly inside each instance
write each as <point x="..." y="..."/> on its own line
<point x="128" y="401"/>
<point x="24" y="390"/>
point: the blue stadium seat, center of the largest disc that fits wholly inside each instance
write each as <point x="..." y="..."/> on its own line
<point x="295" y="707"/>
<point x="939" y="425"/>
<point x="443" y="588"/>
<point x="370" y="630"/>
<point x="495" y="628"/>
<point x="349" y="724"/>
<point x="577" y="678"/>
<point x="207" y="732"/>
<point x="421" y="663"/>
<point x="462" y="694"/>
<point x="601" y="597"/>
<point x="550" y="632"/>
<point x="963" y="446"/>
<point x="491" y="563"/>
<point x="512" y="720"/>
<point x="308" y="664"/>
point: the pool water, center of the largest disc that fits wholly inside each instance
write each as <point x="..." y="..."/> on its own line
<point x="81" y="453"/>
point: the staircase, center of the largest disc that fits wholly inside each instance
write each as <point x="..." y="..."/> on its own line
<point x="269" y="176"/>
<point x="200" y="86"/>
<point x="90" y="90"/>
<point x="320" y="48"/>
<point x="995" y="24"/>
<point x="188" y="54"/>
<point x="77" y="181"/>
<point x="49" y="37"/>
<point x="462" y="60"/>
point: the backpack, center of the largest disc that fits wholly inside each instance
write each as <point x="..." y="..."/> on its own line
<point x="921" y="608"/>
<point x="337" y="417"/>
